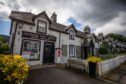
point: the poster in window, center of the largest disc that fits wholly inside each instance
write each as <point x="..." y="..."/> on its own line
<point x="26" y="54"/>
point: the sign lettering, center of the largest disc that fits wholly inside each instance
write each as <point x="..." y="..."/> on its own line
<point x="38" y="36"/>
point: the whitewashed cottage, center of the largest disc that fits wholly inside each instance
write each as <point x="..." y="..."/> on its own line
<point x="43" y="40"/>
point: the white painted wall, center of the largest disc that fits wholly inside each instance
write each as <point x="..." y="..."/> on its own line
<point x="106" y="66"/>
<point x="32" y="28"/>
<point x="18" y="39"/>
<point x="64" y="40"/>
<point x="12" y="31"/>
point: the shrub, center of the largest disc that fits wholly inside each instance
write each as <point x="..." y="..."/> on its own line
<point x="13" y="69"/>
<point x="122" y="52"/>
<point x="94" y="59"/>
<point x="4" y="48"/>
<point x="103" y="51"/>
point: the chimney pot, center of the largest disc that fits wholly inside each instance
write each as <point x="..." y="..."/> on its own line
<point x="53" y="18"/>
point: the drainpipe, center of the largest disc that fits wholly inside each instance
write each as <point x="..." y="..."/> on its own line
<point x="82" y="48"/>
<point x="59" y="39"/>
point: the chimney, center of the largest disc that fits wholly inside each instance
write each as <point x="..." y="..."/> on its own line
<point x="53" y="18"/>
<point x="100" y="34"/>
<point x="87" y="29"/>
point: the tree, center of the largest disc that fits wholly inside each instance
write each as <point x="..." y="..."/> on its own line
<point x="103" y="51"/>
<point x="4" y="47"/>
<point x="2" y="39"/>
<point x="119" y="37"/>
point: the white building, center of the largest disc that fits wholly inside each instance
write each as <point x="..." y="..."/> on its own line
<point x="43" y="40"/>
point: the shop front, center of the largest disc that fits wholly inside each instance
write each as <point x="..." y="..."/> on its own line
<point x="38" y="47"/>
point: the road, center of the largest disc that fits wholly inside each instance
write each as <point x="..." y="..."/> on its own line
<point x="55" y="75"/>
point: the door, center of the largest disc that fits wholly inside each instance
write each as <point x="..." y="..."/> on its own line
<point x="85" y="52"/>
<point x="48" y="56"/>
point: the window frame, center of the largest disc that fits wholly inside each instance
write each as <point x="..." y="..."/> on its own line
<point x="66" y="50"/>
<point x="39" y="48"/>
<point x="45" y="26"/>
<point x="79" y="52"/>
<point x="73" y="36"/>
<point x="73" y="56"/>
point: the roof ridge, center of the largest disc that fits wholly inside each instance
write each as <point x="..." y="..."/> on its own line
<point x="61" y="24"/>
<point x="67" y="26"/>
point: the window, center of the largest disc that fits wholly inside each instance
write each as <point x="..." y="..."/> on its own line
<point x="71" y="34"/>
<point x="41" y="26"/>
<point x="30" y="49"/>
<point x="78" y="51"/>
<point x="64" y="50"/>
<point x="72" y="50"/>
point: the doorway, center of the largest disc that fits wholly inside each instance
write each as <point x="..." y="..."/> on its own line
<point x="48" y="55"/>
<point x="85" y="52"/>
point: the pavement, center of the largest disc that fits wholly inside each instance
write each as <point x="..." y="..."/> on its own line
<point x="60" y="75"/>
<point x="118" y="75"/>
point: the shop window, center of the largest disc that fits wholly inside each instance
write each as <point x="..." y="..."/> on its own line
<point x="71" y="50"/>
<point x="64" y="50"/>
<point x="31" y="49"/>
<point x="41" y="27"/>
<point x="71" y="34"/>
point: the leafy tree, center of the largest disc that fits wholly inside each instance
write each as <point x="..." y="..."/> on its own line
<point x="119" y="37"/>
<point x="2" y="39"/>
<point x="4" y="47"/>
<point x="105" y="44"/>
<point x="103" y="51"/>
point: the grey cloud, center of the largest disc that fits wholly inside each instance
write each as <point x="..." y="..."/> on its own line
<point x="96" y="13"/>
<point x="3" y="15"/>
<point x="14" y="5"/>
<point x="1" y="3"/>
<point x="102" y="11"/>
<point x="123" y="33"/>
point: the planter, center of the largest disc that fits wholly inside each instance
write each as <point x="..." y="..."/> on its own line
<point x="92" y="69"/>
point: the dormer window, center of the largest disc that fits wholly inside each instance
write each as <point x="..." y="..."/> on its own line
<point x="71" y="34"/>
<point x="42" y="26"/>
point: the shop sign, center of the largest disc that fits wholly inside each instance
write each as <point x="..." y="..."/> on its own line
<point x="38" y="36"/>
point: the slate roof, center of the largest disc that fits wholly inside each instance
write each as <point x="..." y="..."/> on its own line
<point x="22" y="16"/>
<point x="28" y="17"/>
<point x="62" y="28"/>
<point x="81" y="34"/>
<point x="68" y="27"/>
<point x="58" y="27"/>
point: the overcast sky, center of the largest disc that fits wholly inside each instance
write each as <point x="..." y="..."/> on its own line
<point x="107" y="16"/>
